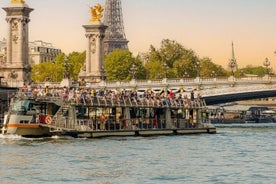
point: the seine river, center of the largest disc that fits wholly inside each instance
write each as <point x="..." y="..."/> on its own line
<point x="233" y="155"/>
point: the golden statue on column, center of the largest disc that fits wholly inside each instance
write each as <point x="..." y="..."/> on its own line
<point x="96" y="13"/>
<point x="17" y="2"/>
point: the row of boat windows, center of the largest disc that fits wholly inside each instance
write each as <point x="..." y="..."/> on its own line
<point x="24" y="122"/>
<point x="86" y="112"/>
<point x="27" y="107"/>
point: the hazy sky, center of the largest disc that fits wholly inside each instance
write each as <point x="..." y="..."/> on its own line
<point x="206" y="26"/>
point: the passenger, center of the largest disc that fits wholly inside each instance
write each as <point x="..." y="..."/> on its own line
<point x="47" y="91"/>
<point x="155" y="122"/>
<point x="24" y="88"/>
<point x="29" y="90"/>
<point x="102" y="122"/>
<point x="192" y="95"/>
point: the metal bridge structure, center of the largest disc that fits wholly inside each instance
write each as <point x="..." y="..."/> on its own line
<point x="115" y="37"/>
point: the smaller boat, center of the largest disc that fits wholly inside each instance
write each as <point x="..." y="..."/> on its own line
<point x="242" y="114"/>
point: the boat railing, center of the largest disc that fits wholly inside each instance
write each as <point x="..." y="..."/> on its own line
<point x="140" y="102"/>
<point x="52" y="98"/>
<point x="112" y="124"/>
<point x="121" y="101"/>
<point x="124" y="124"/>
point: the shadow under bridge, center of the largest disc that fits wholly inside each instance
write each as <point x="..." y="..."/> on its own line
<point x="238" y="96"/>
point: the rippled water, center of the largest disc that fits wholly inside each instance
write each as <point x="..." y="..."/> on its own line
<point x="233" y="155"/>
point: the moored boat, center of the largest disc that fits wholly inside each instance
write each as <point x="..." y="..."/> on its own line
<point x="81" y="114"/>
<point x="238" y="114"/>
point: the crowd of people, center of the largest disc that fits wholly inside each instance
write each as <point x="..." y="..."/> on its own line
<point x="86" y="95"/>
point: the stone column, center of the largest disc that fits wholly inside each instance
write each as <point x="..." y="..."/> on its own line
<point x="17" y="69"/>
<point x="94" y="53"/>
<point x="9" y="41"/>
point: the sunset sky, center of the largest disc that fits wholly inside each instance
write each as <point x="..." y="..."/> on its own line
<point x="206" y="26"/>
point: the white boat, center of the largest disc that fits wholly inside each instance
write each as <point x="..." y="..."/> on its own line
<point x="101" y="116"/>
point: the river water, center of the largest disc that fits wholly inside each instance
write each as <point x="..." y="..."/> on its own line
<point x="233" y="155"/>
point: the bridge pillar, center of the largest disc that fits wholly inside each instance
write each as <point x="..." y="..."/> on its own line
<point x="95" y="33"/>
<point x="17" y="68"/>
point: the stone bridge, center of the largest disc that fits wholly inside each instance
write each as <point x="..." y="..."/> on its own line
<point x="213" y="90"/>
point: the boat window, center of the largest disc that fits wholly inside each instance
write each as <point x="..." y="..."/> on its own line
<point x="24" y="122"/>
<point x="20" y="105"/>
<point x="82" y="112"/>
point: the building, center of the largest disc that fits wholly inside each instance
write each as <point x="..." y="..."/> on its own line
<point x="39" y="52"/>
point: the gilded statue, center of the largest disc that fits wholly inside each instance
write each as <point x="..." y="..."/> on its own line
<point x="17" y="2"/>
<point x="96" y="13"/>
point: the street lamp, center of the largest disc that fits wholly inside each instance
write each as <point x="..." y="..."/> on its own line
<point x="266" y="64"/>
<point x="102" y="70"/>
<point x="133" y="71"/>
<point x="186" y="75"/>
<point x="232" y="66"/>
<point x="198" y="69"/>
<point x="165" y="67"/>
<point x="241" y="73"/>
<point x="213" y="74"/>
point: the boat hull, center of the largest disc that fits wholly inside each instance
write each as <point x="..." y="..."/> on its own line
<point x="136" y="133"/>
<point x="29" y="130"/>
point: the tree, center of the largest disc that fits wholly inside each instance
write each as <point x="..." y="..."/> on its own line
<point x="118" y="66"/>
<point x="187" y="65"/>
<point x="43" y="72"/>
<point x="210" y="69"/>
<point x="76" y="61"/>
<point x="254" y="70"/>
<point x="54" y="70"/>
<point x="181" y="62"/>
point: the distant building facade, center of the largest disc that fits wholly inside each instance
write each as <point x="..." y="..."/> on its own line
<point x="39" y="52"/>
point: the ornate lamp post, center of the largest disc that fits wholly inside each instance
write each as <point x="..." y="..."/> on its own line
<point x="197" y="65"/>
<point x="133" y="71"/>
<point x="241" y="73"/>
<point x="103" y="74"/>
<point x="186" y="75"/>
<point x="213" y="74"/>
<point x="232" y="66"/>
<point x="165" y="67"/>
<point x="267" y="64"/>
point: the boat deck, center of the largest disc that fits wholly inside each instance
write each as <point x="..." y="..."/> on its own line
<point x="136" y="133"/>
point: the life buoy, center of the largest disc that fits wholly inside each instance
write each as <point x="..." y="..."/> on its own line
<point x="48" y="120"/>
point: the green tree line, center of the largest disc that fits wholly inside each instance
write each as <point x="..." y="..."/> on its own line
<point x="171" y="60"/>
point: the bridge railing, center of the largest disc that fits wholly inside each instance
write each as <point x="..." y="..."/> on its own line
<point x="179" y="82"/>
<point x="236" y="89"/>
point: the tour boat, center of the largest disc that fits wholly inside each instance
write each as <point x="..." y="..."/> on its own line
<point x="86" y="116"/>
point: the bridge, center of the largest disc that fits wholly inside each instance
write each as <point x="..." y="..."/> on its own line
<point x="213" y="90"/>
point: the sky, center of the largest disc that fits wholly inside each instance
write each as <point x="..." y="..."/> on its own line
<point x="206" y="26"/>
